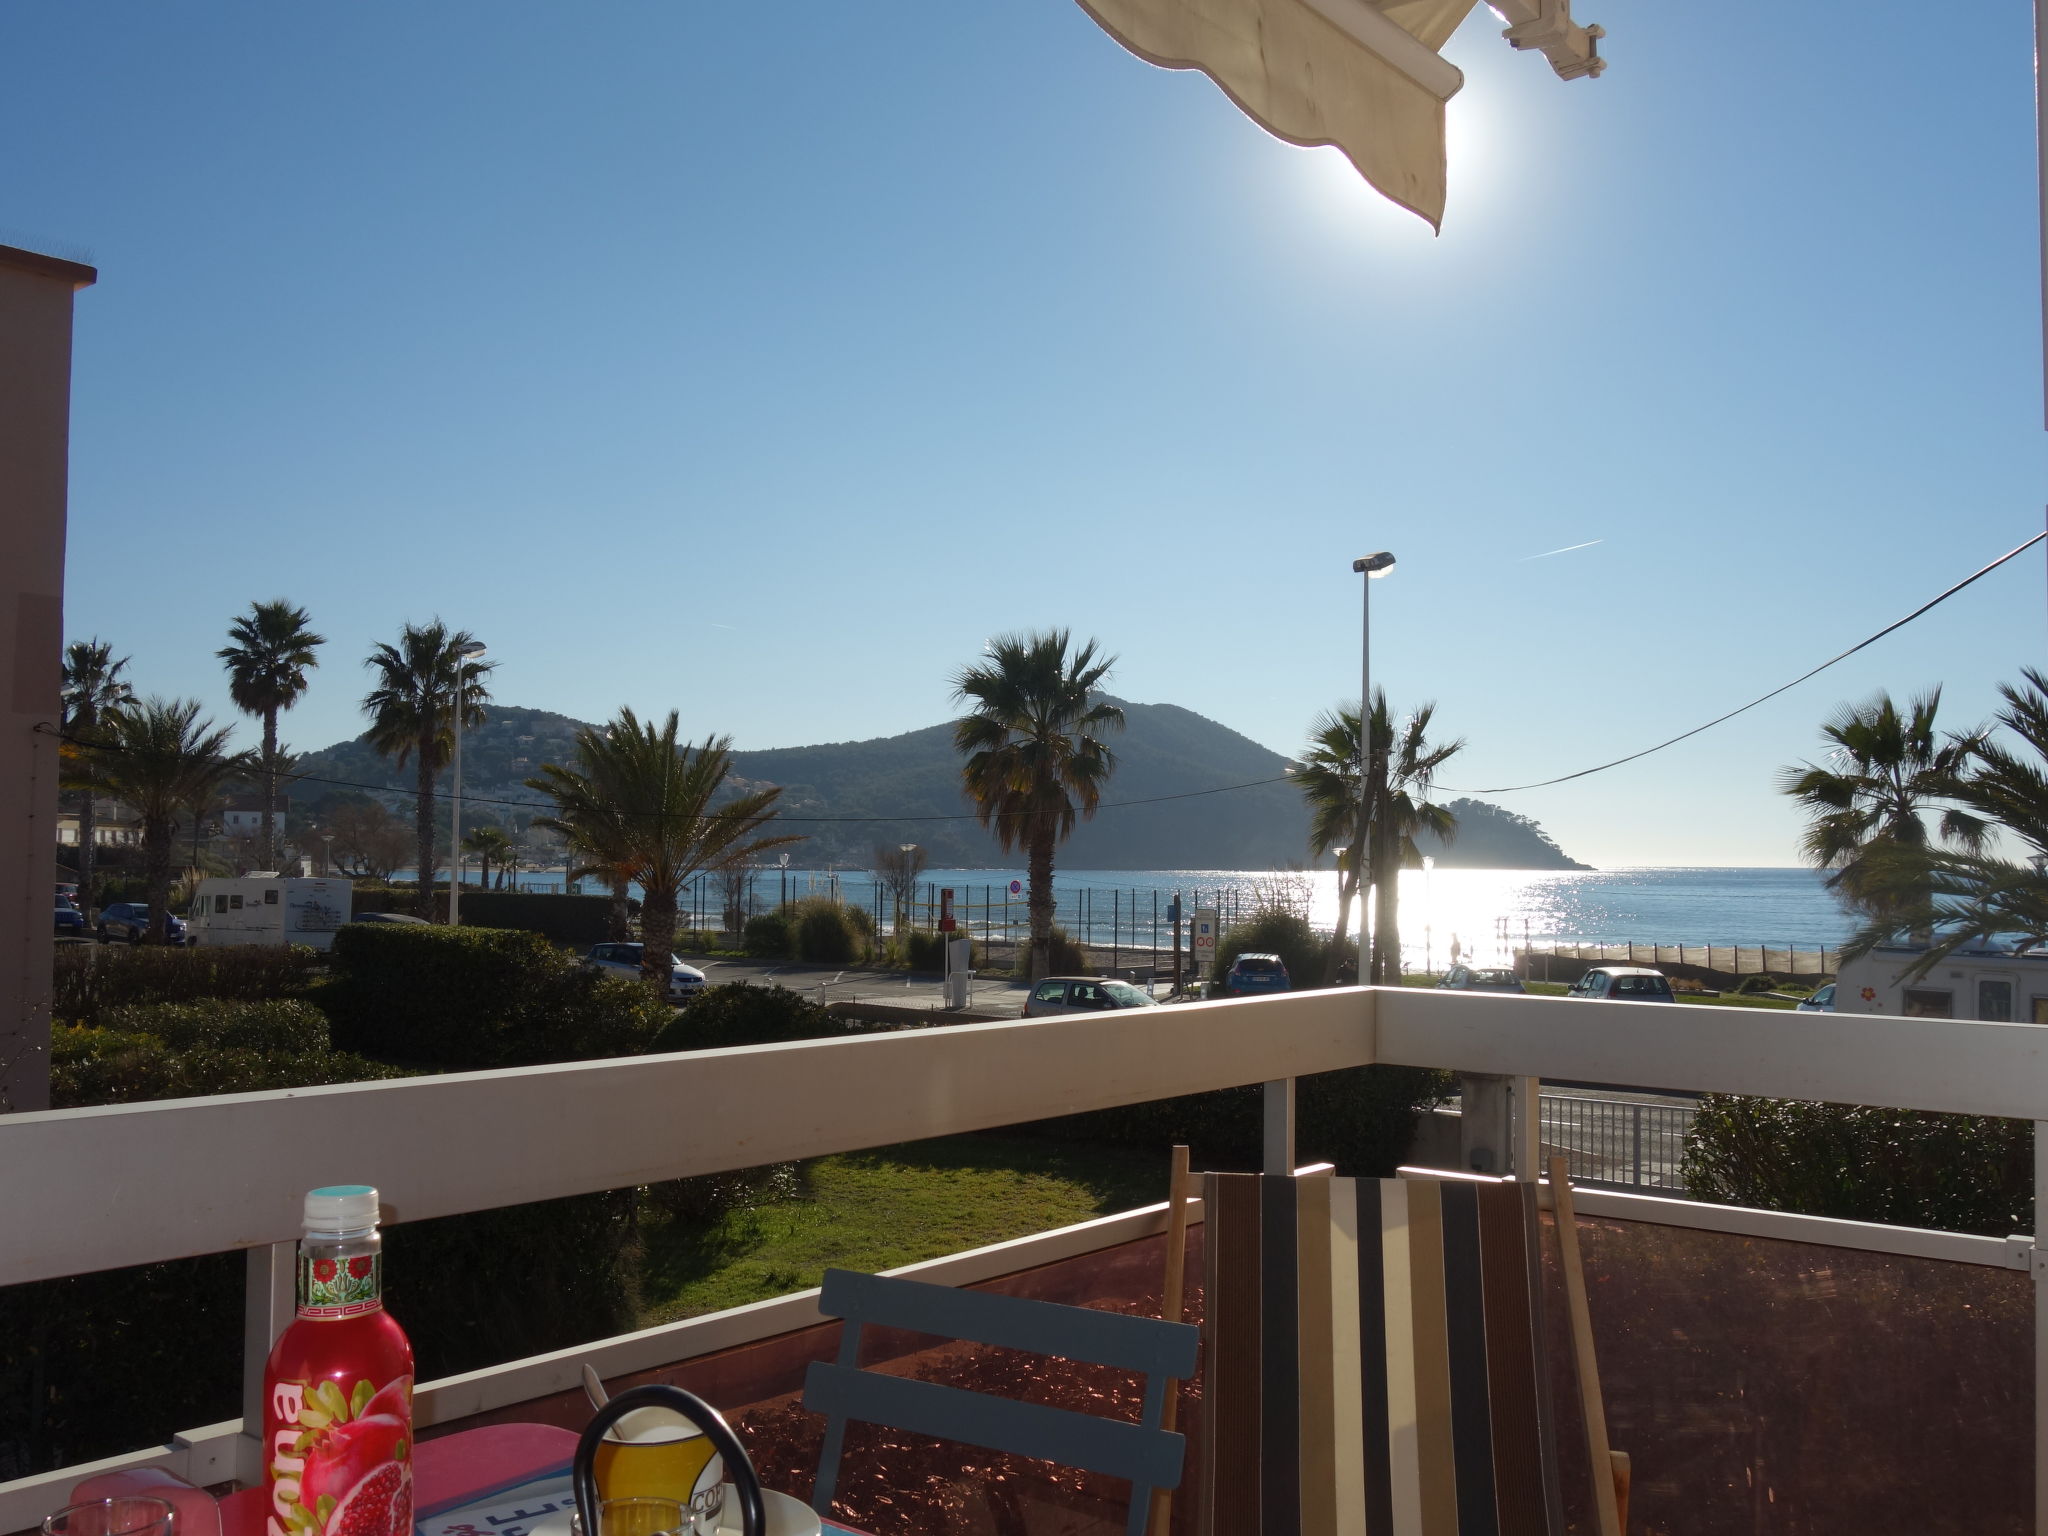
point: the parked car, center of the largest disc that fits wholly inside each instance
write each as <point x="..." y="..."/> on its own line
<point x="67" y="894"/>
<point x="684" y="981"/>
<point x="70" y="920"/>
<point x="389" y="917"/>
<point x="1252" y="974"/>
<point x="1822" y="1001"/>
<point x="1466" y="978"/>
<point x="1083" y="994"/>
<point x="130" y="920"/>
<point x="1623" y="984"/>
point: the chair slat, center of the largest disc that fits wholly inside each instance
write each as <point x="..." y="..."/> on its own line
<point x="1145" y="1456"/>
<point x="1147" y="1344"/>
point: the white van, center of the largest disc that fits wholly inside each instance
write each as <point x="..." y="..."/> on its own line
<point x="1994" y="986"/>
<point x="269" y="909"/>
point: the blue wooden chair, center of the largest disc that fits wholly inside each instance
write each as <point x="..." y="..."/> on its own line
<point x="1148" y="1455"/>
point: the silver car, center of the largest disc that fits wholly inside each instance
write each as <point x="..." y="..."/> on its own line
<point x="684" y="981"/>
<point x="1083" y="994"/>
<point x="1623" y="984"/>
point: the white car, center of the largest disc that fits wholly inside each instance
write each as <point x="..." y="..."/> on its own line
<point x="684" y="981"/>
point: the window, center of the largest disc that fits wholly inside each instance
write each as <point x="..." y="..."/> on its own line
<point x="1050" y="992"/>
<point x="1926" y="1003"/>
<point x="270" y="898"/>
<point x="220" y="903"/>
<point x="1088" y="995"/>
<point x="1994" y="1002"/>
<point x="2041" y="1010"/>
<point x="235" y="903"/>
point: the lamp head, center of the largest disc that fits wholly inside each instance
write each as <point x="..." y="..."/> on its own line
<point x="1375" y="565"/>
<point x="470" y="648"/>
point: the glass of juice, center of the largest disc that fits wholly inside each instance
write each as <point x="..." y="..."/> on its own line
<point x="654" y="1453"/>
<point x="112" y="1517"/>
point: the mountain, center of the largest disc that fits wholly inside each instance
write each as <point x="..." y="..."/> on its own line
<point x="1160" y="810"/>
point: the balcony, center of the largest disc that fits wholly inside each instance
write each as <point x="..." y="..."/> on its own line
<point x="1768" y="1373"/>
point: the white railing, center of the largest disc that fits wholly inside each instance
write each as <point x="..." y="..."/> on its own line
<point x="92" y="1189"/>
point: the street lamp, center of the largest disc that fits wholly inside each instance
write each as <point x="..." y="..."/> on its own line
<point x="1372" y="566"/>
<point x="464" y="653"/>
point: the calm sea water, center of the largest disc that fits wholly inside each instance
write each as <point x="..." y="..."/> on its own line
<point x="1487" y="910"/>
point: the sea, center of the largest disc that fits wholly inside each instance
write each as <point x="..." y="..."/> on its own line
<point x="1486" y="911"/>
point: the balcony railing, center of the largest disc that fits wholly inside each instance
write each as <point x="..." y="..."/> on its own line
<point x="102" y="1188"/>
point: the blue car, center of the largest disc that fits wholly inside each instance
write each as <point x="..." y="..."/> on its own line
<point x="130" y="920"/>
<point x="70" y="920"/>
<point x="1255" y="973"/>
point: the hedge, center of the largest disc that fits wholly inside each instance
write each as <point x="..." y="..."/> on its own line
<point x="479" y="997"/>
<point x="737" y="1014"/>
<point x="577" y="920"/>
<point x="89" y="979"/>
<point x="1954" y="1173"/>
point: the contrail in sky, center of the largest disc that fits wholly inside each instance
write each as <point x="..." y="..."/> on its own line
<point x="1565" y="551"/>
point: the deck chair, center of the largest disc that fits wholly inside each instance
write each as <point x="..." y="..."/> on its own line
<point x="1144" y="1453"/>
<point x="1376" y="1361"/>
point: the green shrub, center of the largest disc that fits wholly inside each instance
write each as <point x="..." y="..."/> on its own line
<point x="738" y="1014"/>
<point x="1954" y="1173"/>
<point x="823" y="932"/>
<point x="284" y="1024"/>
<point x="479" y="997"/>
<point x="577" y="920"/>
<point x="89" y="979"/>
<point x="1067" y="957"/>
<point x="1300" y="948"/>
<point x="924" y="951"/>
<point x="374" y="896"/>
<point x="767" y="936"/>
<point x="1361" y="1118"/>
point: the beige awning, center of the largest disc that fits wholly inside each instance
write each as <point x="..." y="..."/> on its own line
<point x="1364" y="77"/>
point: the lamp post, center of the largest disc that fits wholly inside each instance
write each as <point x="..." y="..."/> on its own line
<point x="903" y="886"/>
<point x="1371" y="567"/>
<point x="463" y="654"/>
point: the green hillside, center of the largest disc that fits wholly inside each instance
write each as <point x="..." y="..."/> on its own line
<point x="849" y="796"/>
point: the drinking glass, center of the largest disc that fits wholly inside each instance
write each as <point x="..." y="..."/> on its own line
<point x="132" y="1516"/>
<point x="645" y="1517"/>
<point x="654" y="1453"/>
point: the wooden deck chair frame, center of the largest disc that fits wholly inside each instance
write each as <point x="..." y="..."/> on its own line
<point x="1146" y="1454"/>
<point x="1375" y="1360"/>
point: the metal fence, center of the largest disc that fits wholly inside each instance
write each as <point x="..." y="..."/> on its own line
<point x="1730" y="959"/>
<point x="1618" y="1143"/>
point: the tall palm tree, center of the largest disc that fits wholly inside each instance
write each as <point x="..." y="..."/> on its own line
<point x="1035" y="757"/>
<point x="488" y="844"/>
<point x="1404" y="767"/>
<point x="646" y="800"/>
<point x="93" y="686"/>
<point x="162" y="759"/>
<point x="1327" y="776"/>
<point x="274" y="648"/>
<point x="1963" y="895"/>
<point x="1889" y="769"/>
<point x="422" y="684"/>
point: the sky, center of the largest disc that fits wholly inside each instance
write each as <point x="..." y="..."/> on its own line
<point x="761" y="364"/>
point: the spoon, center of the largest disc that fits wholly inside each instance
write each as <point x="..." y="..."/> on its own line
<point x="593" y="1386"/>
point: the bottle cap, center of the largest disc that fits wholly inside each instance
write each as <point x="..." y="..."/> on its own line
<point x="341" y="1208"/>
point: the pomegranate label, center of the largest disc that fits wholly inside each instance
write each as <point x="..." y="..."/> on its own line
<point x="341" y="1287"/>
<point x="341" y="1464"/>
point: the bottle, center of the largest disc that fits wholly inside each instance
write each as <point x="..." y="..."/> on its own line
<point x="337" y="1390"/>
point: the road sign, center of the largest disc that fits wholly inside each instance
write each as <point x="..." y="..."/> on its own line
<point x="1173" y="910"/>
<point x="1206" y="931"/>
<point x="1016" y="887"/>
<point x="946" y="923"/>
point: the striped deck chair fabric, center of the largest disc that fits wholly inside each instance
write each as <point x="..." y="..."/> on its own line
<point x="1375" y="1360"/>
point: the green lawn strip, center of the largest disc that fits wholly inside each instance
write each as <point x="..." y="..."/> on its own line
<point x="1722" y="1000"/>
<point x="889" y="1206"/>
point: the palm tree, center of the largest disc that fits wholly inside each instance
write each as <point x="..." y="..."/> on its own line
<point x="1404" y="767"/>
<point x="1035" y="759"/>
<point x="422" y="683"/>
<point x="1327" y="777"/>
<point x="643" y="801"/>
<point x="1889" y="770"/>
<point x="273" y="650"/>
<point x="1964" y="893"/>
<point x="161" y="759"/>
<point x="488" y="843"/>
<point x="92" y="687"/>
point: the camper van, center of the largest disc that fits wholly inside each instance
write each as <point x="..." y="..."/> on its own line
<point x="1989" y="984"/>
<point x="269" y="909"/>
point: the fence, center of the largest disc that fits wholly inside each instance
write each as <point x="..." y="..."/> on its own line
<point x="1618" y="1143"/>
<point x="1729" y="959"/>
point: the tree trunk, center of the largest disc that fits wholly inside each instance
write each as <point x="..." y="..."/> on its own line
<point x="423" y="829"/>
<point x="1386" y="925"/>
<point x="657" y="936"/>
<point x="88" y="836"/>
<point x="268" y="850"/>
<point x="1334" y="962"/>
<point x="1038" y="871"/>
<point x="156" y="874"/>
<point x="621" y="915"/>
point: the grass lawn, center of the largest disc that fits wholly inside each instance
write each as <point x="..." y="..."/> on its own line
<point x="893" y="1205"/>
<point x="1724" y="1000"/>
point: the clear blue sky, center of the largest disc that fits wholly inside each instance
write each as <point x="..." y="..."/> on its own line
<point x="762" y="363"/>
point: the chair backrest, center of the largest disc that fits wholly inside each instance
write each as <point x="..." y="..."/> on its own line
<point x="1375" y="1360"/>
<point x="1149" y="1456"/>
